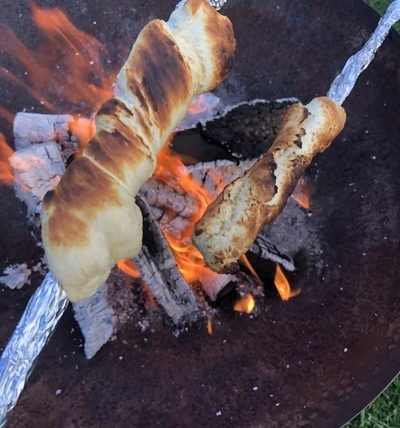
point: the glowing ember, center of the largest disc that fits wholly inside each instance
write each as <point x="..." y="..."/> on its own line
<point x="6" y="175"/>
<point x="128" y="266"/>
<point x="209" y="326"/>
<point x="302" y="193"/>
<point x="245" y="304"/>
<point x="283" y="286"/>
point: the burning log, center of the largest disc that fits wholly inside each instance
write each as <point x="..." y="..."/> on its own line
<point x="158" y="269"/>
<point x="37" y="169"/>
<point x="69" y="132"/>
<point x="34" y="128"/>
<point x="173" y="207"/>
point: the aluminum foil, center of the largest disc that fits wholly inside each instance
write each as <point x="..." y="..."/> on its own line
<point x="356" y="64"/>
<point x="33" y="331"/>
<point x="217" y="4"/>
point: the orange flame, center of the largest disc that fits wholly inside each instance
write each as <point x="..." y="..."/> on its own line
<point x="6" y="175"/>
<point x="171" y="170"/>
<point x="128" y="266"/>
<point x="69" y="67"/>
<point x="302" y="193"/>
<point x="209" y="326"/>
<point x="282" y="285"/>
<point x="7" y="115"/>
<point x="83" y="129"/>
<point x="245" y="304"/>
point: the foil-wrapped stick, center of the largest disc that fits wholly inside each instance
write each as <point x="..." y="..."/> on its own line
<point x="33" y="331"/>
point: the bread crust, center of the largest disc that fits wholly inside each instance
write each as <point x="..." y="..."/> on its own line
<point x="232" y="222"/>
<point x="90" y="221"/>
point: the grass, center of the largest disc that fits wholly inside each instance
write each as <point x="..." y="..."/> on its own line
<point x="384" y="412"/>
<point x="380" y="6"/>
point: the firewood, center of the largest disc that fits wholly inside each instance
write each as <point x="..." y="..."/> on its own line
<point x="34" y="128"/>
<point x="37" y="169"/>
<point x="213" y="284"/>
<point x="96" y="319"/>
<point x="158" y="269"/>
<point x="246" y="130"/>
<point x="267" y="250"/>
<point x="64" y="129"/>
<point x="215" y="175"/>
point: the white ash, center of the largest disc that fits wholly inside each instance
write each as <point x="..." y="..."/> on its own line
<point x="16" y="276"/>
<point x="34" y="128"/>
<point x="37" y="169"/>
<point x="295" y="231"/>
<point x="96" y="319"/>
<point x="65" y="130"/>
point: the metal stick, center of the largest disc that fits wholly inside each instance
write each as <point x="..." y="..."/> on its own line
<point x="217" y="4"/>
<point x="356" y="64"/>
<point x="37" y="324"/>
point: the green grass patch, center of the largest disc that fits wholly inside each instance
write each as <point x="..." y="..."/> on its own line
<point x="384" y="412"/>
<point x="380" y="6"/>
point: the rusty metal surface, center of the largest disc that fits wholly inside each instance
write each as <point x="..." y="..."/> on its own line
<point x="315" y="360"/>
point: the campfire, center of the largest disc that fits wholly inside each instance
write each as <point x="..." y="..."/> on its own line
<point x="131" y="306"/>
<point x="177" y="195"/>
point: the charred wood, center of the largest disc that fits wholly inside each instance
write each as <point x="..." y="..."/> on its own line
<point x="248" y="129"/>
<point x="267" y="250"/>
<point x="158" y="269"/>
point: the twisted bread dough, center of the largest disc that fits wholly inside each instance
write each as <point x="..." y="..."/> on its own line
<point x="90" y="221"/>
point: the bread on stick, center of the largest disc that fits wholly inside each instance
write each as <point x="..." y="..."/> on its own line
<point x="90" y="221"/>
<point x="232" y="222"/>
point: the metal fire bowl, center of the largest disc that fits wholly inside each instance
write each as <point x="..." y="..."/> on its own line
<point x="315" y="360"/>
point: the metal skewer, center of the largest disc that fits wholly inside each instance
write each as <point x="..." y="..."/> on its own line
<point x="49" y="302"/>
<point x="356" y="64"/>
<point x="34" y="329"/>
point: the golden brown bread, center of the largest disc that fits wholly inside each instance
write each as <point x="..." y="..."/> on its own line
<point x="232" y="222"/>
<point x="90" y="221"/>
